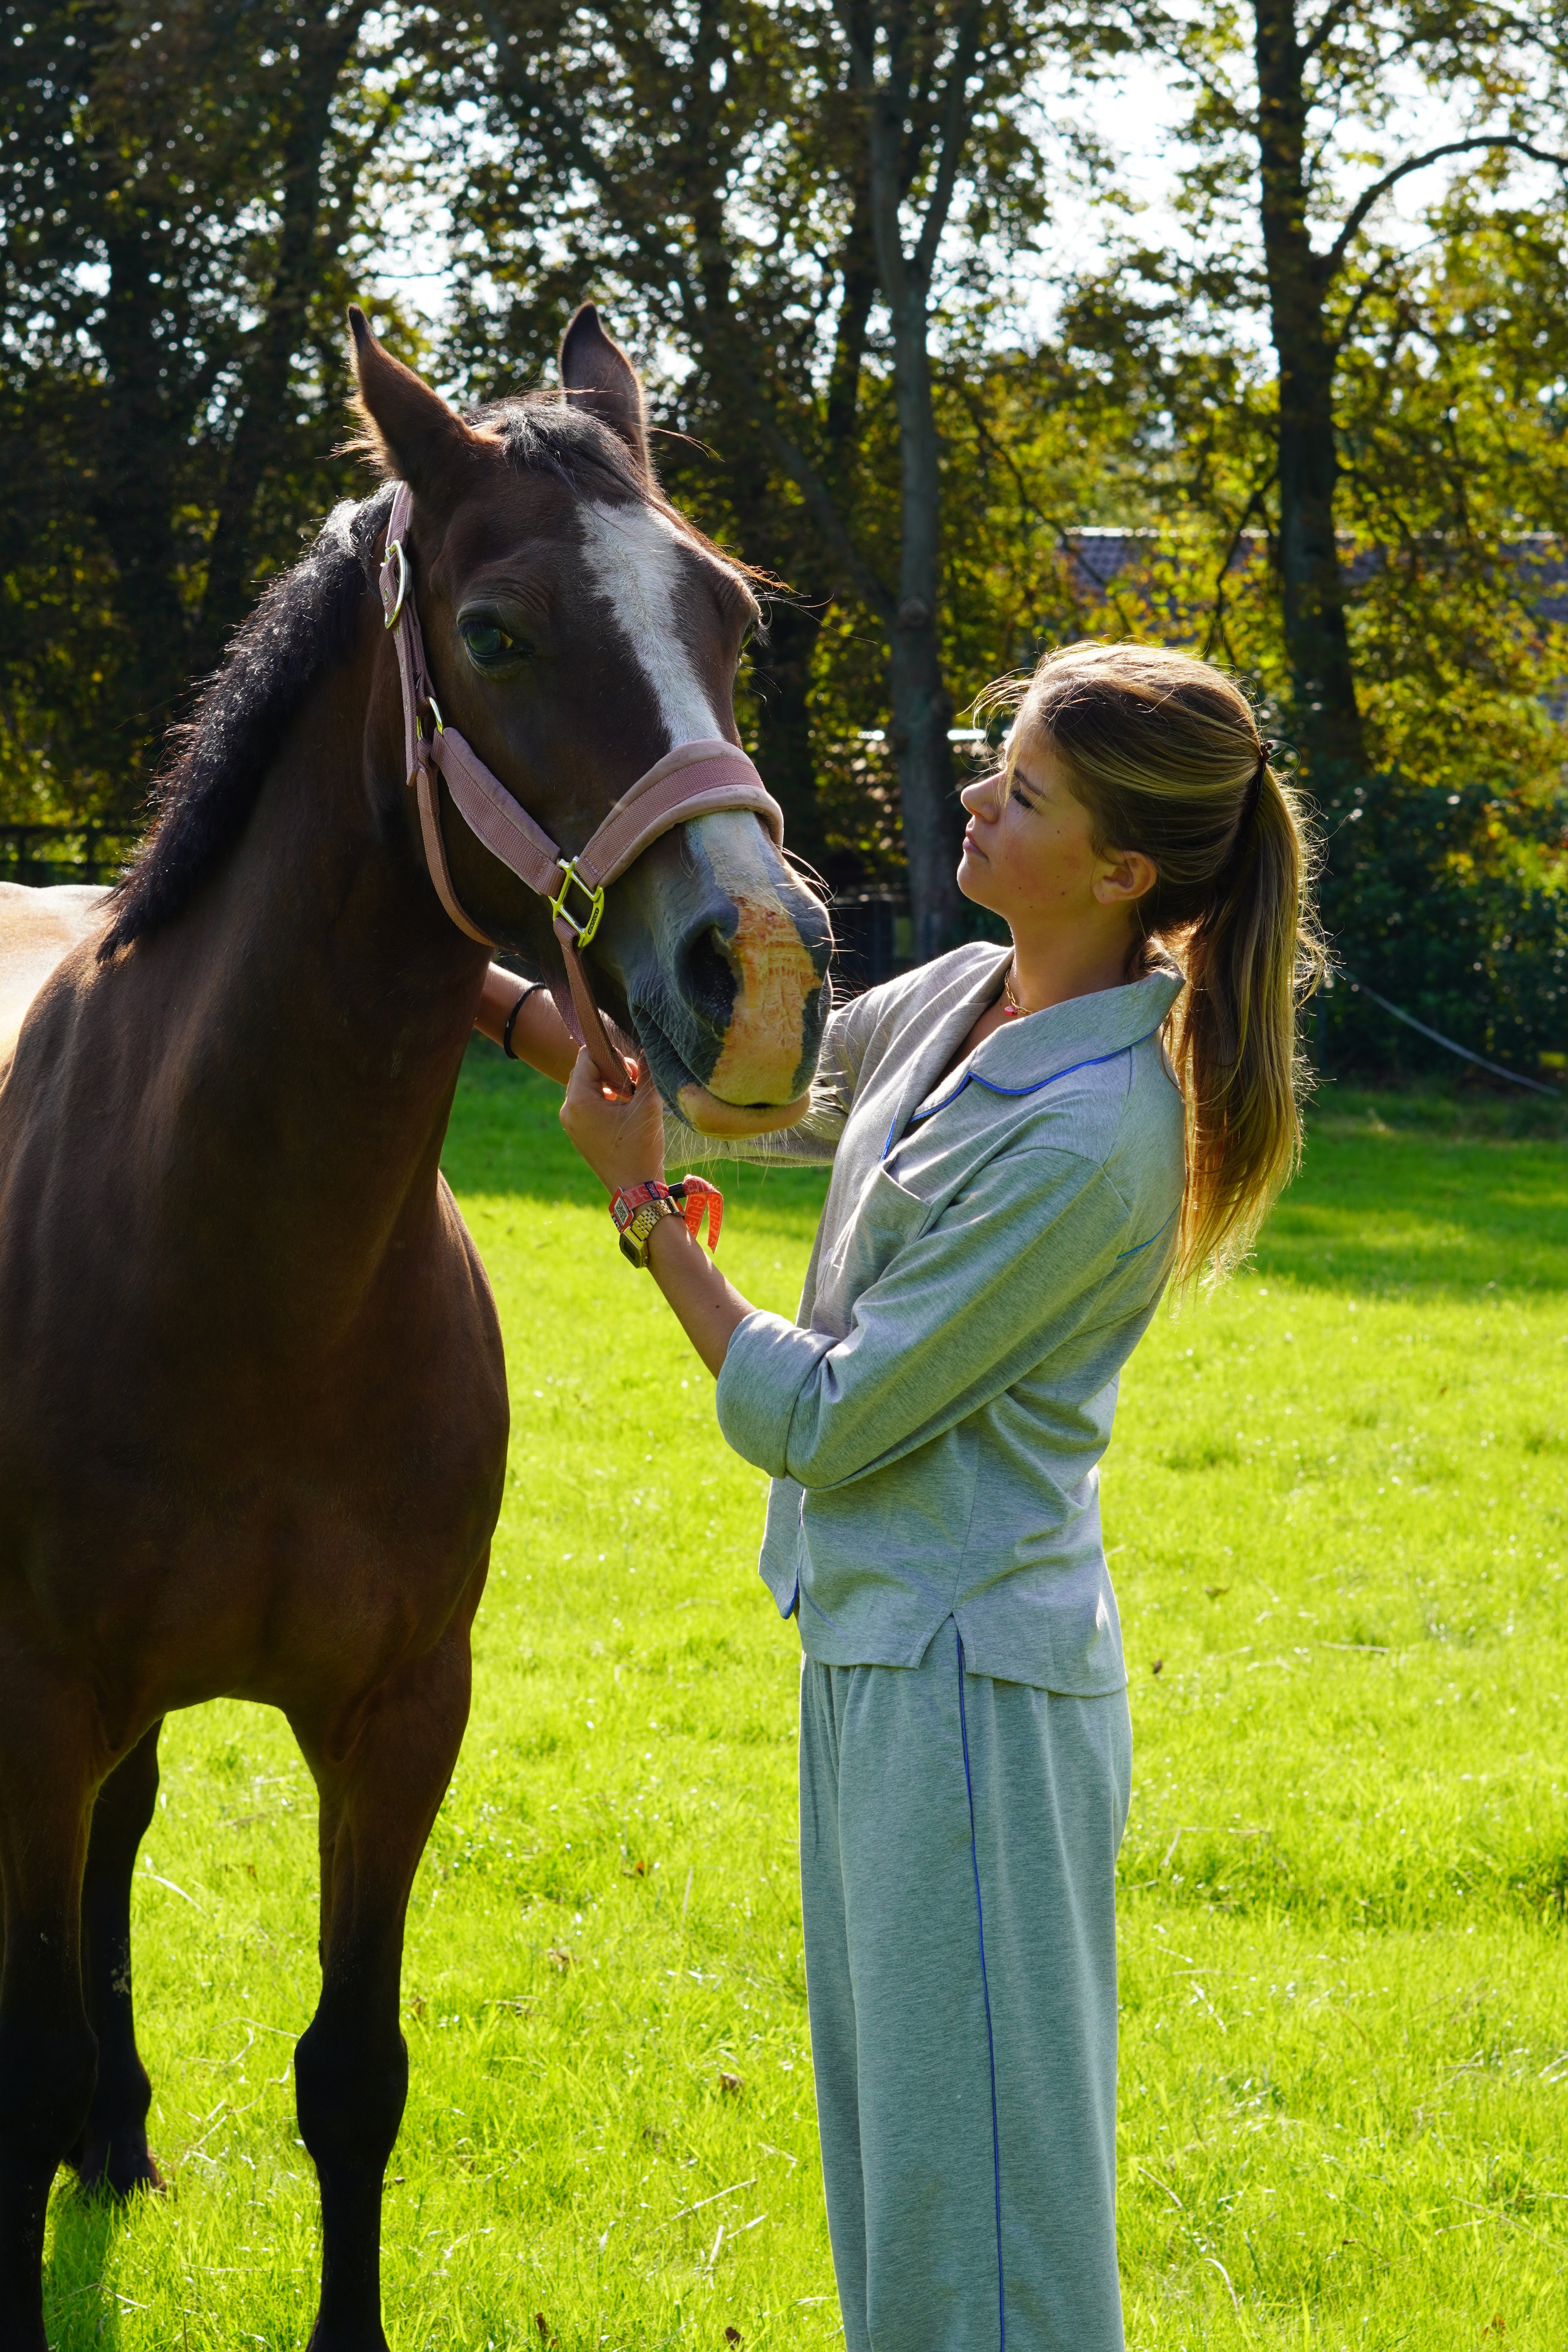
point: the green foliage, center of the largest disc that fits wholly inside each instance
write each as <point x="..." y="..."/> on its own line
<point x="180" y="194"/>
<point x="187" y="199"/>
<point x="1454" y="905"/>
<point x="1337" y="1505"/>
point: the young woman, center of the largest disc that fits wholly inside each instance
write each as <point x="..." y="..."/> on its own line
<point x="1026" y="1143"/>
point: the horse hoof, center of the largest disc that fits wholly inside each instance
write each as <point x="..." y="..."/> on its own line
<point x="118" y="2168"/>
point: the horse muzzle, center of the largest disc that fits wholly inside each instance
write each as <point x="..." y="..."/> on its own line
<point x="726" y="984"/>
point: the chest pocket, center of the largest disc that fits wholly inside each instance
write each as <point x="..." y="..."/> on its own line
<point x="885" y="1219"/>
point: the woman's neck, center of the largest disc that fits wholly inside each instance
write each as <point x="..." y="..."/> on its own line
<point x="1049" y="968"/>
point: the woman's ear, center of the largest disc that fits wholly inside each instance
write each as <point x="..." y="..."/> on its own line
<point x="1125" y="876"/>
<point x="409" y="431"/>
<point x="597" y="374"/>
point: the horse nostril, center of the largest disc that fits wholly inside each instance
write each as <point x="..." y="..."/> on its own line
<point x="710" y="983"/>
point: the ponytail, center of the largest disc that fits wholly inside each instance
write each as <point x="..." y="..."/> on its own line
<point x="1164" y="753"/>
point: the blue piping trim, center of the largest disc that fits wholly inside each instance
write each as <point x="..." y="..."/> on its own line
<point x="1014" y="1094"/>
<point x="986" y="1991"/>
<point x="1141" y="1246"/>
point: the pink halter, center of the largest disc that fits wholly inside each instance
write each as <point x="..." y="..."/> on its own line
<point x="694" y="779"/>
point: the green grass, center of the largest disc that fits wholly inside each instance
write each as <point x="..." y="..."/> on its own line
<point x="1336" y="1503"/>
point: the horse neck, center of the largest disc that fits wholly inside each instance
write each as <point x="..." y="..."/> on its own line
<point x="316" y="1003"/>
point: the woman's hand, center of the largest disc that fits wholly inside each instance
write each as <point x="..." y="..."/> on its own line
<point x="623" y="1142"/>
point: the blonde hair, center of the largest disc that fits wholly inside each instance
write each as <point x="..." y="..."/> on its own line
<point x="1164" y="753"/>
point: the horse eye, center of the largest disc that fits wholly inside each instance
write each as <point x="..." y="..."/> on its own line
<point x="487" y="642"/>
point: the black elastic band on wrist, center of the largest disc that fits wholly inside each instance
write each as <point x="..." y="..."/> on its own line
<point x="531" y="990"/>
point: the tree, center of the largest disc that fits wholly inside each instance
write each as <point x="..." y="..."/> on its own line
<point x="1295" y="123"/>
<point x="757" y="182"/>
<point x="179" y="194"/>
<point x="649" y="122"/>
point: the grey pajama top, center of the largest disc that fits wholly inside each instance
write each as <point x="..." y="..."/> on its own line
<point x="993" y="1246"/>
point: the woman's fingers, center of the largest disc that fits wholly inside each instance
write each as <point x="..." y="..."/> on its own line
<point x="623" y="1142"/>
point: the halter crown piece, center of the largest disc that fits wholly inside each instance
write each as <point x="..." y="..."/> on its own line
<point x="694" y="779"/>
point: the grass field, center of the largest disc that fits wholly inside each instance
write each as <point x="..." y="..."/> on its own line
<point x="1337" y="1504"/>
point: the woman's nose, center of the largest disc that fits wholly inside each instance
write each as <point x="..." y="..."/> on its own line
<point x="980" y="797"/>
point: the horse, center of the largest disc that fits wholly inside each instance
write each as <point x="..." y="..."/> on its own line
<point x="253" y="1404"/>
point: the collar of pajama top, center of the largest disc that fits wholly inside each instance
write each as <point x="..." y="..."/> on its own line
<point x="995" y="1241"/>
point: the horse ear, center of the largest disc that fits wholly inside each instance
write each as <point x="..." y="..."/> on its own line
<point x="408" y="429"/>
<point x="597" y="374"/>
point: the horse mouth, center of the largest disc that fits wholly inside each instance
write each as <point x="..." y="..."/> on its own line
<point x="709" y="1115"/>
<point x="697" y="1104"/>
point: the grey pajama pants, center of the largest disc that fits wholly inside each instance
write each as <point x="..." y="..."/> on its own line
<point x="958" y="1841"/>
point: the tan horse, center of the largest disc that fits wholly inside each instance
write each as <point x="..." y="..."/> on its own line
<point x="253" y="1408"/>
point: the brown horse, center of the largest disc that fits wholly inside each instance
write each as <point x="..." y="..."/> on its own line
<point x="253" y="1407"/>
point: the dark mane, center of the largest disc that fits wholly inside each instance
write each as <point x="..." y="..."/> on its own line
<point x="204" y="793"/>
<point x="303" y="626"/>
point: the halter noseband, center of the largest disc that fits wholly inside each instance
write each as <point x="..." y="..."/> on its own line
<point x="694" y="779"/>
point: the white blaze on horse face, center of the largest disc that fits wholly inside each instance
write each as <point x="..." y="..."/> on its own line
<point x="636" y="559"/>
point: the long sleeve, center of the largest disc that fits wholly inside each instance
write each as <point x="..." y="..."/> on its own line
<point x="956" y="1315"/>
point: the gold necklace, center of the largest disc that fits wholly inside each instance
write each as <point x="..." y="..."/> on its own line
<point x="1011" y="1008"/>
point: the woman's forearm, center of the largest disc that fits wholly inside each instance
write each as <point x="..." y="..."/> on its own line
<point x="708" y="1307"/>
<point x="623" y="1143"/>
<point x="539" y="1036"/>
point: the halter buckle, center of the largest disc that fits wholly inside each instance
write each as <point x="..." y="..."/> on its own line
<point x="595" y="896"/>
<point x="395" y="548"/>
<point x="434" y="711"/>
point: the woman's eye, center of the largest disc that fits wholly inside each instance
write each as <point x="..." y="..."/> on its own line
<point x="487" y="642"/>
<point x="1022" y="798"/>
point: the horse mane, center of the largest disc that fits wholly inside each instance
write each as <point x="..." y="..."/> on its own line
<point x="302" y="625"/>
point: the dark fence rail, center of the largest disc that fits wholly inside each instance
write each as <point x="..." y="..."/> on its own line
<point x="42" y="854"/>
<point x="873" y="938"/>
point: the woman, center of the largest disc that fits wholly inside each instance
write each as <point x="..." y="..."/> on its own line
<point x="1025" y="1144"/>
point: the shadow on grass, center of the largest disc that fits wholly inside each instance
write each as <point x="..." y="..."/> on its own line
<point x="81" y="2305"/>
<point x="1399" y="1192"/>
<point x="505" y="1137"/>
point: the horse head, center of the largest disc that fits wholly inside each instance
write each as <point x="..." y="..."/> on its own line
<point x="577" y="629"/>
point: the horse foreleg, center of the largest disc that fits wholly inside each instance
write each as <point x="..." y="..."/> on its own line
<point x="350" y="2068"/>
<point x="112" y="2151"/>
<point x="47" y="2049"/>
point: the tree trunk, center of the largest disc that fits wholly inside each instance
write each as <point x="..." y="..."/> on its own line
<point x="1298" y="281"/>
<point x="326" y="47"/>
<point x="921" y="707"/>
<point x="135" y="495"/>
<point x="781" y="668"/>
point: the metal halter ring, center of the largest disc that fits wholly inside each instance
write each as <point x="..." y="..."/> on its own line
<point x="435" y="709"/>
<point x="396" y="549"/>
<point x="596" y="897"/>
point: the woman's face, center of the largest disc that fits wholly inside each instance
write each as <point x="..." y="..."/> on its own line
<point x="1028" y="855"/>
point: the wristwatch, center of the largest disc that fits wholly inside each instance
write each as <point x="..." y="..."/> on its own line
<point x="636" y="1209"/>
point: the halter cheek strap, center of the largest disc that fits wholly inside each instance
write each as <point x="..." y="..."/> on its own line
<point x="694" y="779"/>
